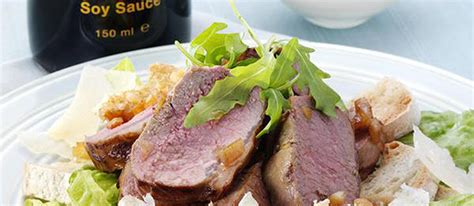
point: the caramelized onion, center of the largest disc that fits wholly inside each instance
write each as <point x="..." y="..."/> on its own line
<point x="337" y="199"/>
<point x="79" y="151"/>
<point x="361" y="114"/>
<point x="231" y="153"/>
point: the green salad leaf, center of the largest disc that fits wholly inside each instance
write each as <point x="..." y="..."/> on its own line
<point x="284" y="63"/>
<point x="126" y="65"/>
<point x="311" y="77"/>
<point x="259" y="48"/>
<point x="435" y="125"/>
<point x="276" y="104"/>
<point x="407" y="139"/>
<point x="37" y="202"/>
<point x="212" y="48"/>
<point x="452" y="131"/>
<point x="281" y="64"/>
<point x="230" y="91"/>
<point x="457" y="200"/>
<point x="449" y="130"/>
<point x="89" y="186"/>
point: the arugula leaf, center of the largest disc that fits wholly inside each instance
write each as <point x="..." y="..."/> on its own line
<point x="284" y="65"/>
<point x="276" y="103"/>
<point x="245" y="62"/>
<point x="230" y="91"/>
<point x="234" y="46"/>
<point x="311" y="77"/>
<point x="276" y="76"/>
<point x="211" y="48"/>
<point x="189" y="56"/>
<point x="260" y="48"/>
<point x="209" y="38"/>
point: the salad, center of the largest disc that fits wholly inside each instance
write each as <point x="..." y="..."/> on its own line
<point x="247" y="125"/>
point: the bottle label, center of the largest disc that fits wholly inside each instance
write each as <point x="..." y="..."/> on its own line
<point x="117" y="24"/>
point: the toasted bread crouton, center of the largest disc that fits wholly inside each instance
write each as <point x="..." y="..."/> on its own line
<point x="445" y="192"/>
<point x="399" y="165"/>
<point x="49" y="182"/>
<point x="394" y="106"/>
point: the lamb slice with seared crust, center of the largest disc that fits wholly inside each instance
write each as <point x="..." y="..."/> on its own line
<point x="130" y="186"/>
<point x="196" y="164"/>
<point x="109" y="148"/>
<point x="250" y="182"/>
<point x="315" y="157"/>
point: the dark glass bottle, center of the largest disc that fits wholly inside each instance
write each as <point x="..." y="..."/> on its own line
<point x="67" y="32"/>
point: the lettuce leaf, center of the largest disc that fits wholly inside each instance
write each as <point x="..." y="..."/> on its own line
<point x="407" y="139"/>
<point x="435" y="124"/>
<point x="37" y="202"/>
<point x="456" y="200"/>
<point x="441" y="165"/>
<point x="125" y="65"/>
<point x="452" y="131"/>
<point x="89" y="186"/>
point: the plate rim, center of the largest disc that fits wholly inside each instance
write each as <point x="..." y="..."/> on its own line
<point x="382" y="55"/>
<point x="72" y="70"/>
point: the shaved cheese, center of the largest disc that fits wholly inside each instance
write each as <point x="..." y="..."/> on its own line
<point x="121" y="80"/>
<point x="80" y="118"/>
<point x="440" y="163"/>
<point x="248" y="200"/>
<point x="324" y="202"/>
<point x="129" y="200"/>
<point x="40" y="143"/>
<point x="410" y="196"/>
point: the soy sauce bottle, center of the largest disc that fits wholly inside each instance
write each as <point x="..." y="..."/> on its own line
<point x="68" y="32"/>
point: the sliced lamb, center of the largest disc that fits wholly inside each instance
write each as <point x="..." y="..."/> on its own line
<point x="249" y="182"/>
<point x="197" y="164"/>
<point x="315" y="157"/>
<point x="109" y="148"/>
<point x="129" y="185"/>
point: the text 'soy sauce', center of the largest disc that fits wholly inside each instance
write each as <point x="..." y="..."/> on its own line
<point x="67" y="32"/>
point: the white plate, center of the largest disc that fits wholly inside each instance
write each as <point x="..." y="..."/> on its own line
<point x="36" y="105"/>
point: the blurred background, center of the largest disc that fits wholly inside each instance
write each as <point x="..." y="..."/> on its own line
<point x="436" y="32"/>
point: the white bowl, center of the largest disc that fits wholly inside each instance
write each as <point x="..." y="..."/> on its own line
<point x="338" y="14"/>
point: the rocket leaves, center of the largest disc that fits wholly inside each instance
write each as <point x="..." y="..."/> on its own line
<point x="281" y="67"/>
<point x="212" y="48"/>
<point x="228" y="92"/>
<point x="276" y="103"/>
<point x="311" y="77"/>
